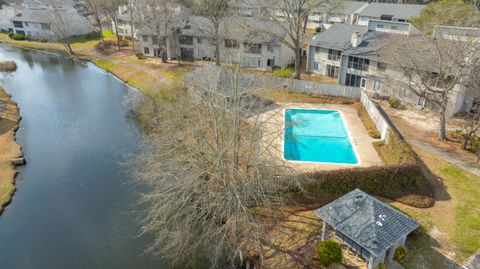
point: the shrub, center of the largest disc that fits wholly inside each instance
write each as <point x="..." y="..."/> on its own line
<point x="283" y="73"/>
<point x="394" y="102"/>
<point x="276" y="67"/>
<point x="139" y="56"/>
<point x="366" y="120"/>
<point x="8" y="66"/>
<point x="382" y="266"/>
<point x="18" y="37"/>
<point x="108" y="44"/>
<point x="329" y="252"/>
<point x="124" y="43"/>
<point x="10" y="35"/>
<point x="400" y="253"/>
<point x="395" y="150"/>
<point x="318" y="29"/>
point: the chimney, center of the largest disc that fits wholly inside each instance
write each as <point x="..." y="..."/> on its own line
<point x="356" y="39"/>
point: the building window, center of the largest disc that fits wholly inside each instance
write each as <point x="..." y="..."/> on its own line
<point x="231" y="44"/>
<point x="20" y="32"/>
<point x="185" y="40"/>
<point x="155" y="39"/>
<point x="253" y="48"/>
<point x="332" y="71"/>
<point x="380" y="27"/>
<point x="17" y="24"/>
<point x="358" y="63"/>
<point x="475" y="105"/>
<point x="26" y="24"/>
<point x="353" y="80"/>
<point x="364" y="18"/>
<point x="145" y="38"/>
<point x="316" y="66"/>
<point x="45" y="26"/>
<point x="334" y="55"/>
<point x="317" y="49"/>
<point x="377" y="85"/>
<point x="199" y="40"/>
<point x="393" y="27"/>
<point x="270" y="62"/>
<point x="381" y="66"/>
<point x="270" y="48"/>
<point x="146" y="50"/>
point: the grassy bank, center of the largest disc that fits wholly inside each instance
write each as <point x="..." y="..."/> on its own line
<point x="9" y="149"/>
<point x="147" y="75"/>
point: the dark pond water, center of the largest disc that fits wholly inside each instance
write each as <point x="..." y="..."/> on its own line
<point x="75" y="205"/>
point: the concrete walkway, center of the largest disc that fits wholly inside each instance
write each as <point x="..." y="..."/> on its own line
<point x="445" y="155"/>
<point x="473" y="262"/>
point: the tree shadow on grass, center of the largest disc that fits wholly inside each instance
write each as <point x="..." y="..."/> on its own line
<point x="436" y="183"/>
<point x="423" y="253"/>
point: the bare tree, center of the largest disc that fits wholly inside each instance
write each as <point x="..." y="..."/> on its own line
<point x="211" y="168"/>
<point x="111" y="9"/>
<point x="132" y="7"/>
<point x="95" y="10"/>
<point x="292" y="17"/>
<point x="159" y="16"/>
<point x="433" y="68"/>
<point x="216" y="11"/>
<point x="472" y="121"/>
<point x="62" y="27"/>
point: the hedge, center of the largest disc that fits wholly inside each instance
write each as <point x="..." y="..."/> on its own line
<point x="404" y="183"/>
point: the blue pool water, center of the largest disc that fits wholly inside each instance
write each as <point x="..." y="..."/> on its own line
<point x="317" y="136"/>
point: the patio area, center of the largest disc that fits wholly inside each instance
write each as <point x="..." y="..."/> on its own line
<point x="361" y="141"/>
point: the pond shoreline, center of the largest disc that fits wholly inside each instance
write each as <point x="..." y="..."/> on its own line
<point x="11" y="153"/>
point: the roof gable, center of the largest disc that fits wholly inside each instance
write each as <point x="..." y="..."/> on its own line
<point x="370" y="223"/>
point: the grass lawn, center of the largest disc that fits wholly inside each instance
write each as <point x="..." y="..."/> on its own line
<point x="453" y="224"/>
<point x="9" y="149"/>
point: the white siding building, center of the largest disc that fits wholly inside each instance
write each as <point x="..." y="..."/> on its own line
<point x="240" y="43"/>
<point x="354" y="56"/>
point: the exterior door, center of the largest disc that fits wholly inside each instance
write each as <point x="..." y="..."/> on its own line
<point x="363" y="83"/>
<point x="186" y="54"/>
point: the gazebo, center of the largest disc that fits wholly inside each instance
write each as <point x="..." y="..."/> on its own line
<point x="371" y="228"/>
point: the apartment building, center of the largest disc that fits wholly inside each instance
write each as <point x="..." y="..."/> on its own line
<point x="347" y="13"/>
<point x="36" y="23"/>
<point x="244" y="41"/>
<point x="357" y="56"/>
<point x="388" y="12"/>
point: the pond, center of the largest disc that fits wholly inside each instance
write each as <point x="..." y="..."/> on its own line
<point x="75" y="205"/>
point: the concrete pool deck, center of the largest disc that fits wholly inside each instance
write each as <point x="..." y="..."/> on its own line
<point x="361" y="141"/>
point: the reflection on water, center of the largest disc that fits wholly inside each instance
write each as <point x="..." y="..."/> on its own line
<point x="75" y="206"/>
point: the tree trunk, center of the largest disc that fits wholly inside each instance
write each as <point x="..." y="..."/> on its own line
<point x="69" y="47"/>
<point x="132" y="35"/>
<point x="102" y="40"/>
<point x="466" y="139"/>
<point x="164" y="52"/>
<point x="116" y="31"/>
<point x="298" y="62"/>
<point x="442" y="132"/>
<point x="217" y="44"/>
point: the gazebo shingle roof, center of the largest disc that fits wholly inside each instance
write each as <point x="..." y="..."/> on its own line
<point x="372" y="224"/>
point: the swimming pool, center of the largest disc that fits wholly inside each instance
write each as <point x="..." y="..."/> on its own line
<point x="313" y="135"/>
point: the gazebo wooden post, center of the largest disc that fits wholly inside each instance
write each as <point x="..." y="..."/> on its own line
<point x="324" y="230"/>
